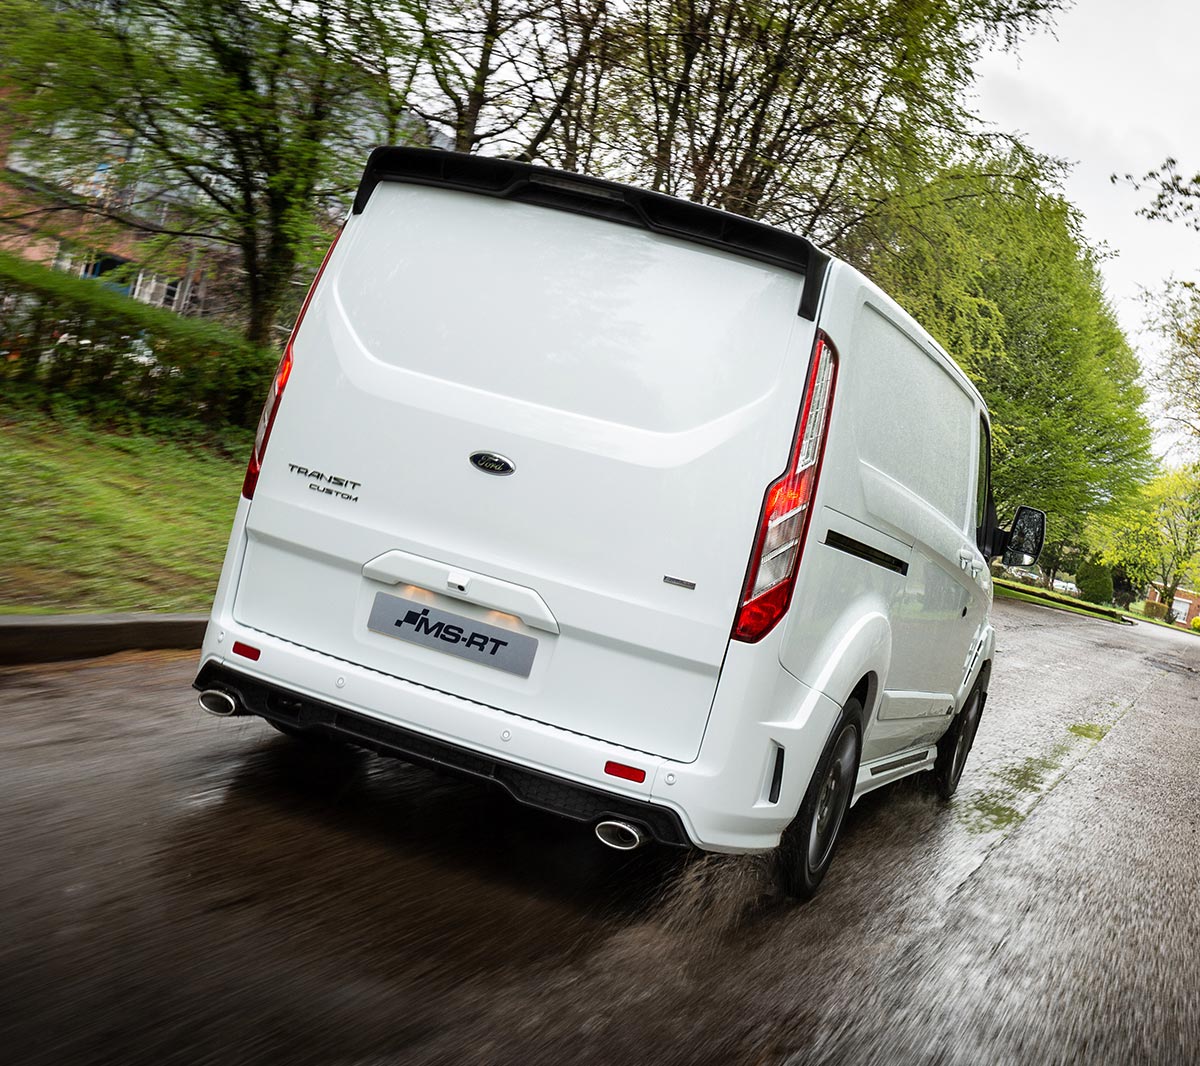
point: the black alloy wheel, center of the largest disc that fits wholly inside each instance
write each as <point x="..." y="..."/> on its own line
<point x="806" y="848"/>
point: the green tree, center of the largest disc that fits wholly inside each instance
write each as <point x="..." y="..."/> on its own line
<point x="502" y="74"/>
<point x="993" y="263"/>
<point x="244" y="122"/>
<point x="1157" y="537"/>
<point x="1064" y="549"/>
<point x="1095" y="581"/>
<point x="221" y="121"/>
<point x="801" y="112"/>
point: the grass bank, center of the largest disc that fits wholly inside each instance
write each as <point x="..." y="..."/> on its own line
<point x="1029" y="594"/>
<point x="92" y="520"/>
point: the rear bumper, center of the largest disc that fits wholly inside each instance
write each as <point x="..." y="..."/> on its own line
<point x="544" y="791"/>
<point x="719" y="802"/>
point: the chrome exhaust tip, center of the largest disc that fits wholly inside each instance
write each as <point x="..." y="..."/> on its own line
<point x="620" y="835"/>
<point x="217" y="702"/>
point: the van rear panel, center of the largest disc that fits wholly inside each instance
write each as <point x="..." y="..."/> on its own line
<point x="645" y="391"/>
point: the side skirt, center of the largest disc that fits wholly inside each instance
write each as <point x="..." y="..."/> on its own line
<point x="880" y="772"/>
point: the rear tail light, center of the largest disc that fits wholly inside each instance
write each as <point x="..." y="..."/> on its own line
<point x="787" y="506"/>
<point x="275" y="396"/>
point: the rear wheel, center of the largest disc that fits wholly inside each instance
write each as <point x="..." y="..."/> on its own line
<point x="806" y="848"/>
<point x="955" y="746"/>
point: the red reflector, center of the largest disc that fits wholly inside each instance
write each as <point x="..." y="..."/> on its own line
<point x="250" y="653"/>
<point x="629" y="773"/>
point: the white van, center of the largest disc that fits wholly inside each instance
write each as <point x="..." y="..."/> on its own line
<point x="657" y="517"/>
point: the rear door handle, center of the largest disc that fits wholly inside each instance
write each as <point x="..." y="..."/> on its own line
<point x="397" y="567"/>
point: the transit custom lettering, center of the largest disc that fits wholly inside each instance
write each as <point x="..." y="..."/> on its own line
<point x="333" y="486"/>
<point x="419" y="620"/>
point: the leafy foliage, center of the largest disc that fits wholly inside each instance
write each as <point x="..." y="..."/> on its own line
<point x="1125" y="591"/>
<point x="217" y="121"/>
<point x="1157" y="537"/>
<point x="1095" y="582"/>
<point x="999" y="273"/>
<point x="121" y="361"/>
<point x="1176" y="196"/>
<point x="1154" y="609"/>
<point x="245" y="123"/>
<point x="803" y="113"/>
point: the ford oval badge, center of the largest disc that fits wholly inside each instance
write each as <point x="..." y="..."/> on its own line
<point x="491" y="463"/>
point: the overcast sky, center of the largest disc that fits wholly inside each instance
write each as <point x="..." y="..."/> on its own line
<point x="1113" y="90"/>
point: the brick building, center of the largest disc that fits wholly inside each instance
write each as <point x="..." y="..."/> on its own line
<point x="56" y="223"/>
<point x="1186" y="605"/>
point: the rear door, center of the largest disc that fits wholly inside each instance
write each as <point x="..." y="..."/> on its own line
<point x="642" y="390"/>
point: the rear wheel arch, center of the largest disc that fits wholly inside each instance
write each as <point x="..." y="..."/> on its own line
<point x="983" y="678"/>
<point x="866" y="692"/>
<point x="853" y="661"/>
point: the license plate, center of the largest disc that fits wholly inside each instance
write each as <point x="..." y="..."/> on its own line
<point x="454" y="634"/>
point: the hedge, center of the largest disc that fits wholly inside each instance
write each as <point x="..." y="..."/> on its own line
<point x="108" y="356"/>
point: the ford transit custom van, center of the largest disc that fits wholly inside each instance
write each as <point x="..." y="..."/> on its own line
<point x="654" y="516"/>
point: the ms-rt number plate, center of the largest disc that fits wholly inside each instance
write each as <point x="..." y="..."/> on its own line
<point x="455" y="634"/>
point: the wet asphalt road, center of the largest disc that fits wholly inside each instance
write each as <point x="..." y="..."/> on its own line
<point x="178" y="889"/>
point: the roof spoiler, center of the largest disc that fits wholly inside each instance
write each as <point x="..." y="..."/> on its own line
<point x="668" y="215"/>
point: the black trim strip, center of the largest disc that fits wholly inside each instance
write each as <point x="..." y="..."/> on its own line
<point x="908" y="760"/>
<point x="668" y="215"/>
<point x="776" y="777"/>
<point x="864" y="551"/>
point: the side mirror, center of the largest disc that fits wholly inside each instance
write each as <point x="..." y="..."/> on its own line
<point x="1023" y="543"/>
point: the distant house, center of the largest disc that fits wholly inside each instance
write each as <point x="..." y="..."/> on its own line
<point x="55" y="223"/>
<point x="1186" y="605"/>
<point x="59" y="221"/>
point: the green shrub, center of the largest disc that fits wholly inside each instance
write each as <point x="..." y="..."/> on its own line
<point x="1154" y="610"/>
<point x="1195" y="624"/>
<point x="1095" y="582"/>
<point x="72" y="343"/>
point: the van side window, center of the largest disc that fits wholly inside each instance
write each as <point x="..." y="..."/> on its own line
<point x="924" y="452"/>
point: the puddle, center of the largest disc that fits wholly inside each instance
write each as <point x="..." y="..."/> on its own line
<point x="1020" y="785"/>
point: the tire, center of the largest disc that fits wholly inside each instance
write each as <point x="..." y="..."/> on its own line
<point x="806" y="848"/>
<point x="955" y="745"/>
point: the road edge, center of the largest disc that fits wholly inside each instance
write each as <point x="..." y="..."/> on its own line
<point x="55" y="638"/>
